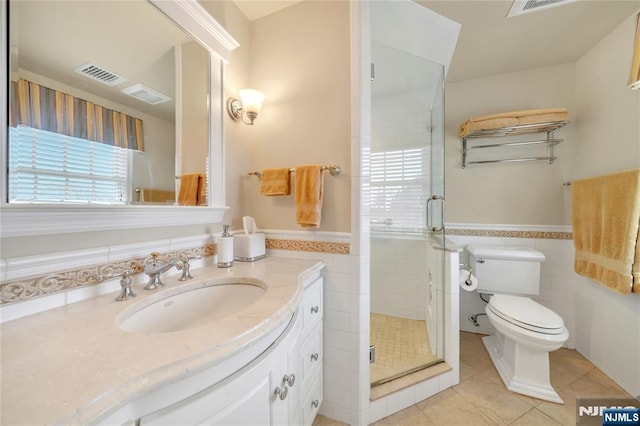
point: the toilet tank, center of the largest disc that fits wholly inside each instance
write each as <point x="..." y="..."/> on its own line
<point x="506" y="270"/>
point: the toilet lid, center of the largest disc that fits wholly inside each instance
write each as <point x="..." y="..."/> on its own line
<point x="526" y="313"/>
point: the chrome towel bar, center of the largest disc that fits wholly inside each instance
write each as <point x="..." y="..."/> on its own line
<point x="333" y="169"/>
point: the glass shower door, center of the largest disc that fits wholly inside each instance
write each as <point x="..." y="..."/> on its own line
<point x="407" y="176"/>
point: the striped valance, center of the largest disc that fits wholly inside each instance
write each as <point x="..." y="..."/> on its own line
<point x="43" y="108"/>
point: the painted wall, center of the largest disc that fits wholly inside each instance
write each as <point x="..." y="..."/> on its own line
<point x="515" y="193"/>
<point x="300" y="61"/>
<point x="608" y="113"/>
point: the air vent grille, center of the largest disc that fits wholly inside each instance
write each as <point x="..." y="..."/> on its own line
<point x="520" y="7"/>
<point x="146" y="94"/>
<point x="100" y="74"/>
<point x="534" y="4"/>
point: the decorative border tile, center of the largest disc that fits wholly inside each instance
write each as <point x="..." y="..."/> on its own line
<point x="548" y="235"/>
<point x="309" y="246"/>
<point x="28" y="288"/>
<point x="25" y="289"/>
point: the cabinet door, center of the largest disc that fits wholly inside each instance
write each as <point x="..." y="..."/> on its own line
<point x="247" y="399"/>
<point x="287" y="411"/>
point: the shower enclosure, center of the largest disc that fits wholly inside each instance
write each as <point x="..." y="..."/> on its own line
<point x="407" y="203"/>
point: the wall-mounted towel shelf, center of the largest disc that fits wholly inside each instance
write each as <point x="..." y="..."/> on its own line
<point x="332" y="169"/>
<point x="523" y="129"/>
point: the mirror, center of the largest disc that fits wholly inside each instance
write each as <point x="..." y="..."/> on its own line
<point x="119" y="46"/>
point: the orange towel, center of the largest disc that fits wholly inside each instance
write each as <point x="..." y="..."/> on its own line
<point x="308" y="195"/>
<point x="606" y="228"/>
<point x="189" y="187"/>
<point x="275" y="182"/>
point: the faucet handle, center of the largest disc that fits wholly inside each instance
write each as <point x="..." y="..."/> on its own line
<point x="183" y="264"/>
<point x="127" y="292"/>
<point x="154" y="255"/>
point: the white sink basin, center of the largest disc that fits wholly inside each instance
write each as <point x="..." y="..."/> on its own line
<point x="191" y="308"/>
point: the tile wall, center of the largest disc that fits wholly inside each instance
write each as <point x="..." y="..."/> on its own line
<point x="399" y="276"/>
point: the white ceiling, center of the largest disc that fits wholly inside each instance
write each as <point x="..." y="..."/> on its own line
<point x="490" y="43"/>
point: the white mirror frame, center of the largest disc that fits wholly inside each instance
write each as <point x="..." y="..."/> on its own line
<point x="18" y="220"/>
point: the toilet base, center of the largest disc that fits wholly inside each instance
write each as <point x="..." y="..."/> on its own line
<point x="522" y="370"/>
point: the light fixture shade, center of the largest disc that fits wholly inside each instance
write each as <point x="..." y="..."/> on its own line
<point x="251" y="100"/>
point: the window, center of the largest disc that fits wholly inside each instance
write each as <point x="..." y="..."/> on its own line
<point x="46" y="167"/>
<point x="399" y="187"/>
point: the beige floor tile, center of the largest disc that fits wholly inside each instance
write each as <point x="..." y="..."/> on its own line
<point x="591" y="385"/>
<point x="481" y="397"/>
<point x="492" y="399"/>
<point x="325" y="421"/>
<point x="535" y="417"/>
<point x="410" y="416"/>
<point x="450" y="408"/>
<point x="567" y="366"/>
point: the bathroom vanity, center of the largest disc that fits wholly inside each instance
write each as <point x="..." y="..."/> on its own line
<point x="258" y="364"/>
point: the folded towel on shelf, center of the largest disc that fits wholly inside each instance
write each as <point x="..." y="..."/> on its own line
<point x="512" y="118"/>
<point x="308" y="195"/>
<point x="606" y="229"/>
<point x="190" y="187"/>
<point x="275" y="182"/>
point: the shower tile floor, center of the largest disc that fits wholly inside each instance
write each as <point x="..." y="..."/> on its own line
<point x="482" y="399"/>
<point x="401" y="345"/>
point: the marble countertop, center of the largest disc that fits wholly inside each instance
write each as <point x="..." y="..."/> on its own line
<point x="74" y="363"/>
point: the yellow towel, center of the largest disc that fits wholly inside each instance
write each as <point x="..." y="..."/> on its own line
<point x="606" y="229"/>
<point x="189" y="187"/>
<point x="308" y="195"/>
<point x="275" y="182"/>
<point x="512" y="118"/>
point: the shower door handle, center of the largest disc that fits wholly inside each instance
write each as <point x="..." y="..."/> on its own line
<point x="441" y="227"/>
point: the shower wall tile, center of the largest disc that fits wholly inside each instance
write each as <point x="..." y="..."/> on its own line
<point x="399" y="276"/>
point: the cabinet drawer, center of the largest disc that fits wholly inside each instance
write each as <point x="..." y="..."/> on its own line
<point x="311" y="355"/>
<point x="312" y="305"/>
<point x="312" y="401"/>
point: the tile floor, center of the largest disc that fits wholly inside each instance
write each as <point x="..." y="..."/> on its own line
<point x="482" y="399"/>
<point x="401" y="344"/>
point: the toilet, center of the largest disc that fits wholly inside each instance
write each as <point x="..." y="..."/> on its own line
<point x="525" y="331"/>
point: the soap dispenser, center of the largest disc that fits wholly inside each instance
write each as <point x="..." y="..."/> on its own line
<point x="225" y="248"/>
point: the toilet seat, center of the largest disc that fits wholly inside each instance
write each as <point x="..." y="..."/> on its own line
<point x="525" y="313"/>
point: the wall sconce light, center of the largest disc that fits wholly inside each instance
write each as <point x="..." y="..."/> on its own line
<point x="250" y="104"/>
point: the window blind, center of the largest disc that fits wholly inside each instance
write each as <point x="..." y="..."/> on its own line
<point x="50" y="167"/>
<point x="399" y="187"/>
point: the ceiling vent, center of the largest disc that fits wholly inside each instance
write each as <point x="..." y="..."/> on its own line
<point x="520" y="7"/>
<point x="100" y="74"/>
<point x="146" y="94"/>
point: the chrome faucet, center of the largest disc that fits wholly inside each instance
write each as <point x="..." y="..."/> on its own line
<point x="154" y="269"/>
<point x="184" y="265"/>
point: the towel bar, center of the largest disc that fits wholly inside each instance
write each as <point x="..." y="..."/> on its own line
<point x="333" y="169"/>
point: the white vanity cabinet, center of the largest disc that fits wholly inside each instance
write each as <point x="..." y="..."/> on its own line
<point x="310" y="352"/>
<point x="282" y="386"/>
